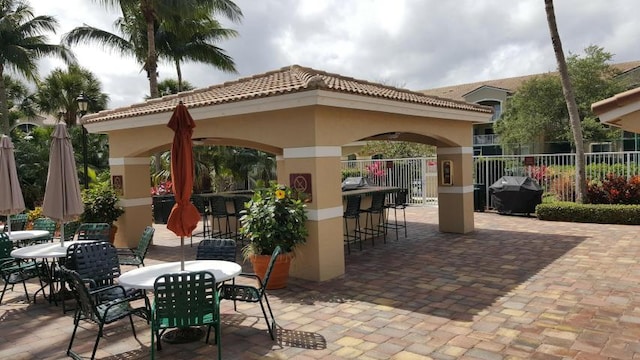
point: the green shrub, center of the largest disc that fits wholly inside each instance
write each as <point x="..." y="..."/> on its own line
<point x="589" y="213"/>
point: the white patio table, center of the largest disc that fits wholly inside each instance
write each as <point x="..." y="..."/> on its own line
<point x="45" y="251"/>
<point x="27" y="235"/>
<point x="144" y="277"/>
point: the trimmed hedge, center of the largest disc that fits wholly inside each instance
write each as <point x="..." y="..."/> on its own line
<point x="589" y="213"/>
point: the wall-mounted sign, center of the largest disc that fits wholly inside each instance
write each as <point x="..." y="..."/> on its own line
<point x="116" y="183"/>
<point x="529" y="161"/>
<point x="446" y="172"/>
<point x="302" y="183"/>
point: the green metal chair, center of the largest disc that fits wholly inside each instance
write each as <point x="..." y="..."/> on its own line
<point x="182" y="300"/>
<point x="13" y="271"/>
<point x="70" y="229"/>
<point x="93" y="232"/>
<point x="216" y="249"/>
<point x="136" y="256"/>
<point x="45" y="224"/>
<point x="254" y="294"/>
<point x="18" y="221"/>
<point x="99" y="313"/>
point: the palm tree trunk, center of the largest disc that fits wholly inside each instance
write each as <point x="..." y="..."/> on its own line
<point x="4" y="109"/>
<point x="569" y="96"/>
<point x="179" y="72"/>
<point x="152" y="58"/>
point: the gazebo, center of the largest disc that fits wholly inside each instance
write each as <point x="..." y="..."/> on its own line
<point x="303" y="116"/>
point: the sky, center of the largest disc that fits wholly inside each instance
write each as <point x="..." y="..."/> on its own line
<point x="413" y="44"/>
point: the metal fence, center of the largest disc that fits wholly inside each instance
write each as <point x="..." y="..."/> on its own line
<point x="554" y="172"/>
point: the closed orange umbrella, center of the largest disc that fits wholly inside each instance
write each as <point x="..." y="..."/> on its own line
<point x="184" y="216"/>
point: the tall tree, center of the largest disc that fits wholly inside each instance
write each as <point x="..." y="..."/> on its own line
<point x="60" y="89"/>
<point x="149" y="13"/>
<point x="182" y="39"/>
<point x="22" y="43"/>
<point x="570" y="98"/>
<point x="538" y="112"/>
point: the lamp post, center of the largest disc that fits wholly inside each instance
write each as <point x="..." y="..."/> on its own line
<point x="83" y="104"/>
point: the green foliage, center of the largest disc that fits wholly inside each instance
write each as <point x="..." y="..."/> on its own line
<point x="101" y="204"/>
<point x="345" y="173"/>
<point x="275" y="216"/>
<point x="538" y="112"/>
<point x="589" y="213"/>
<point x="397" y="149"/>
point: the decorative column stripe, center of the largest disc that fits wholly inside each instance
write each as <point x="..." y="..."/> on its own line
<point x="312" y="152"/>
<point x="455" y="189"/>
<point x="454" y="150"/>
<point x="135" y="202"/>
<point x="325" y="214"/>
<point x="130" y="161"/>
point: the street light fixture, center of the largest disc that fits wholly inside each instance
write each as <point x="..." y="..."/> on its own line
<point x="83" y="104"/>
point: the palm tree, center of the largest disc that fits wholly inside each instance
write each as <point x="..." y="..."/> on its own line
<point x="170" y="86"/>
<point x="22" y="43"/>
<point x="58" y="92"/>
<point x="138" y="24"/>
<point x="180" y="39"/>
<point x="570" y="99"/>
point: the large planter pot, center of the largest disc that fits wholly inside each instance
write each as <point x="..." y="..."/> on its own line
<point x="112" y="234"/>
<point x="279" y="274"/>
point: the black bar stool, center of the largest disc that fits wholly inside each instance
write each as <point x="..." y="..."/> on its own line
<point x="399" y="203"/>
<point x="352" y="211"/>
<point x="220" y="216"/>
<point x="375" y="211"/>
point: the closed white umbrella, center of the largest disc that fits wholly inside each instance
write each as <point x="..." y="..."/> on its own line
<point x="11" y="200"/>
<point x="62" y="198"/>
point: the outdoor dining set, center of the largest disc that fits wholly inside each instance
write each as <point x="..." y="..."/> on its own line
<point x="83" y="274"/>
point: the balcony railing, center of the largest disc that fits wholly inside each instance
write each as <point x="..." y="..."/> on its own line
<point x="491" y="139"/>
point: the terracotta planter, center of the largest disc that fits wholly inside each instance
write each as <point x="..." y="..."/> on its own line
<point x="279" y="274"/>
<point x="112" y="234"/>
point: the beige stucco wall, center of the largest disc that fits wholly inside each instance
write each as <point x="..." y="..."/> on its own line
<point x="305" y="140"/>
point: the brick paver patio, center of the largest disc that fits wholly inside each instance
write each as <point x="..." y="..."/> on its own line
<point x="517" y="288"/>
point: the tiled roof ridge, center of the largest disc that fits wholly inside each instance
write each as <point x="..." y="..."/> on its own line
<point x="289" y="79"/>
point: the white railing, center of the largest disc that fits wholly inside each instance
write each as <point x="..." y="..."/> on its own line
<point x="554" y="172"/>
<point x="490" y="139"/>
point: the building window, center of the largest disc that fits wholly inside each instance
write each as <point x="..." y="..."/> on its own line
<point x="497" y="108"/>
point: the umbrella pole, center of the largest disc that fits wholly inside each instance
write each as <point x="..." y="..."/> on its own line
<point x="182" y="248"/>
<point x="62" y="234"/>
<point x="9" y="223"/>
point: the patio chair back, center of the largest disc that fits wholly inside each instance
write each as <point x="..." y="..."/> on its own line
<point x="216" y="249"/>
<point x="182" y="300"/>
<point x="13" y="271"/>
<point x="93" y="232"/>
<point x="45" y="224"/>
<point x="70" y="229"/>
<point x="254" y="294"/>
<point x="136" y="256"/>
<point x="18" y="221"/>
<point x="90" y="310"/>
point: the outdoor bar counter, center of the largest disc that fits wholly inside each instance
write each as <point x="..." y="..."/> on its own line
<point x="365" y="192"/>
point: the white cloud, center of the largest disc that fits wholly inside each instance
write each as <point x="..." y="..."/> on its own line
<point x="415" y="43"/>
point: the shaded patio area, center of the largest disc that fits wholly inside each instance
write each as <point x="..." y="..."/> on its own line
<point x="515" y="288"/>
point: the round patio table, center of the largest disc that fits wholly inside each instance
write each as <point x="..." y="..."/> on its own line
<point x="28" y="235"/>
<point x="145" y="277"/>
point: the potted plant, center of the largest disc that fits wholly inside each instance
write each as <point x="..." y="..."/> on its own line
<point x="101" y="206"/>
<point x="275" y="216"/>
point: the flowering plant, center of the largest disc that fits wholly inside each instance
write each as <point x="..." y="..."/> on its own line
<point x="162" y="188"/>
<point x="275" y="216"/>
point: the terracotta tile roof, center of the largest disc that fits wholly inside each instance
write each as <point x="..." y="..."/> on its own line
<point x="290" y="79"/>
<point x="457" y="92"/>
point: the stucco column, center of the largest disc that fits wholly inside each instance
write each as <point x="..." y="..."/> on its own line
<point x="322" y="256"/>
<point x="455" y="189"/>
<point x="133" y="172"/>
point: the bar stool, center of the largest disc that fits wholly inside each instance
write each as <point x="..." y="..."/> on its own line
<point x="238" y="206"/>
<point x="352" y="211"/>
<point x="399" y="203"/>
<point x="201" y="204"/>
<point x="220" y="215"/>
<point x="375" y="210"/>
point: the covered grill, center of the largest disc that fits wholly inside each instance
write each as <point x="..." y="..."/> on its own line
<point x="516" y="195"/>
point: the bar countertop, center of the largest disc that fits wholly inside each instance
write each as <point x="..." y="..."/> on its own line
<point x="365" y="190"/>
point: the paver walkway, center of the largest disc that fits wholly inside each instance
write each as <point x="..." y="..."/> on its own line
<point x="516" y="288"/>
